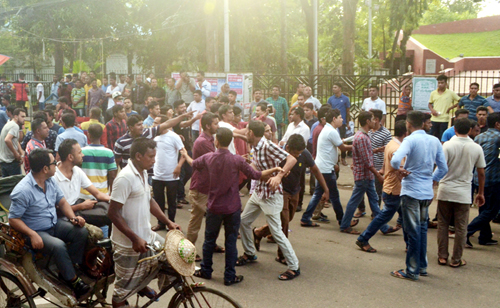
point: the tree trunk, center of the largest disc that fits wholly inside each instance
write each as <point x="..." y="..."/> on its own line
<point x="58" y="58"/>
<point x="349" y="23"/>
<point x="210" y="33"/>
<point x="284" y="60"/>
<point x="393" y="50"/>
<point x="308" y="11"/>
<point x="402" y="63"/>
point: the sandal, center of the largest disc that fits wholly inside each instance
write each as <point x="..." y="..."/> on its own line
<point x="442" y="261"/>
<point x="350" y="231"/>
<point x="219" y="249"/>
<point x="279" y="260"/>
<point x="461" y="263"/>
<point x="390" y="230"/>
<point x="308" y="224"/>
<point x="201" y="274"/>
<point x="354" y="222"/>
<point x="237" y="279"/>
<point x="270" y="239"/>
<point x="365" y="247"/>
<point x="359" y="214"/>
<point x="289" y="275"/>
<point x="198" y="258"/>
<point x="244" y="259"/>
<point x="401" y="274"/>
<point x="256" y="240"/>
<point x="148" y="292"/>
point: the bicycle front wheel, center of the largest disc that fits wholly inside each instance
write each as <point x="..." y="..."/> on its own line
<point x="203" y="297"/>
<point x="12" y="293"/>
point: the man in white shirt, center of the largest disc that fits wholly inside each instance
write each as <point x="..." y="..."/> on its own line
<point x="197" y="105"/>
<point x="227" y="114"/>
<point x="297" y="126"/>
<point x="71" y="179"/>
<point x="203" y="85"/>
<point x="122" y="82"/>
<point x="167" y="169"/>
<point x="374" y="102"/>
<point x="40" y="94"/>
<point x="311" y="99"/>
<point x="112" y="88"/>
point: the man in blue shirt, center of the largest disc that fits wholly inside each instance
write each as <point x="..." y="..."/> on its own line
<point x="472" y="101"/>
<point x="154" y="111"/>
<point x="68" y="122"/>
<point x="494" y="100"/>
<point x="450" y="132"/>
<point x="33" y="213"/>
<point x="490" y="142"/>
<point x="341" y="102"/>
<point x="422" y="151"/>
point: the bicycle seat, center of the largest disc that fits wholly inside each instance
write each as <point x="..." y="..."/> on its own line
<point x="105" y="243"/>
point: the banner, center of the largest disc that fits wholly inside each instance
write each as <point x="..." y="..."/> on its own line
<point x="422" y="88"/>
<point x="235" y="82"/>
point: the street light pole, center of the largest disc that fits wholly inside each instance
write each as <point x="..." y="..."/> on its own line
<point x="227" y="66"/>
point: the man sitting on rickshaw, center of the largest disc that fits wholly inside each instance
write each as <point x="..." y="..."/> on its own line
<point x="33" y="213"/>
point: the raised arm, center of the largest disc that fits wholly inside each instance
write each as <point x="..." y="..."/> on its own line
<point x="163" y="127"/>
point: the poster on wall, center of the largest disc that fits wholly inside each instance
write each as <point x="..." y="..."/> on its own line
<point x="235" y="82"/>
<point x="422" y="88"/>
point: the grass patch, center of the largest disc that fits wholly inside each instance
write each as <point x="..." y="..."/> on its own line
<point x="470" y="44"/>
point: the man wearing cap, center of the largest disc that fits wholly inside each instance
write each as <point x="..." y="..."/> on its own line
<point x="130" y="209"/>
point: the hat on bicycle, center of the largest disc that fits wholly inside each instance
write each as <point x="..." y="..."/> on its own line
<point x="180" y="252"/>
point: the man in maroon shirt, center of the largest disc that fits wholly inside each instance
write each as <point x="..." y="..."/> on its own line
<point x="198" y="189"/>
<point x="116" y="127"/>
<point x="224" y="203"/>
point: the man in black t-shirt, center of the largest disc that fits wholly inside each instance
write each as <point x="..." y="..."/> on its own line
<point x="296" y="146"/>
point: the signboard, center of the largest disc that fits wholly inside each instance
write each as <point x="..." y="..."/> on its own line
<point x="422" y="88"/>
<point x="235" y="82"/>
<point x="430" y="66"/>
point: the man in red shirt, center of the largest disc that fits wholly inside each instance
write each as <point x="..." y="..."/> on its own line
<point x="116" y="127"/>
<point x="22" y="90"/>
<point x="63" y="105"/>
<point x="40" y="132"/>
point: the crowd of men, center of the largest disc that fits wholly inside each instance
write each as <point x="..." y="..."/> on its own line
<point x="108" y="155"/>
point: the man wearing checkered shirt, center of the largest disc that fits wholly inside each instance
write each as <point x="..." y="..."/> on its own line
<point x="267" y="198"/>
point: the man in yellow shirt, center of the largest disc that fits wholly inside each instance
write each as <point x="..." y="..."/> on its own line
<point x="95" y="116"/>
<point x="300" y="90"/>
<point x="439" y="104"/>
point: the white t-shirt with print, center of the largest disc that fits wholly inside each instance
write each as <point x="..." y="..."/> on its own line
<point x="369" y="104"/>
<point x="167" y="151"/>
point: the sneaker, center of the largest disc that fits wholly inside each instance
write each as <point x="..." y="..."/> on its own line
<point x="489" y="243"/>
<point x="80" y="288"/>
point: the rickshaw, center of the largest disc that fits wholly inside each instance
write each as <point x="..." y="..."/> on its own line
<point x="26" y="274"/>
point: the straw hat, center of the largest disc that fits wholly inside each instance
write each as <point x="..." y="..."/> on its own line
<point x="180" y="253"/>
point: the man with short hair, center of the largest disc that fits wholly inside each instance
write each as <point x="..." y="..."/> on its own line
<point x="96" y="96"/>
<point x="326" y="159"/>
<point x="203" y="85"/>
<point x="261" y="114"/>
<point x="494" y="100"/>
<point x="64" y="105"/>
<point x="156" y="92"/>
<point x="78" y="99"/>
<point x="257" y="99"/>
<point x="54" y="86"/>
<point x="50" y="120"/>
<point x="300" y="90"/>
<point x="226" y="114"/>
<point x="267" y="198"/>
<point x="40" y="133"/>
<point x="105" y="83"/>
<point x="11" y="153"/>
<point x="390" y="192"/>
<point x="297" y="126"/>
<point x="21" y="88"/>
<point x="70" y="132"/>
<point x="93" y="76"/>
<point x="490" y="142"/>
<point x="40" y="94"/>
<point x="71" y="180"/>
<point x="311" y="99"/>
<point x="95" y="116"/>
<point x="197" y="105"/>
<point x="171" y="93"/>
<point x="116" y="127"/>
<point x="482" y="115"/>
<point x="130" y="211"/>
<point x="33" y="213"/>
<point x="422" y="152"/>
<point x="185" y="86"/>
<point x="364" y="173"/>
<point x="139" y="93"/>
<point x="127" y="106"/>
<point x="341" y="102"/>
<point x="450" y="132"/>
<point x="440" y="103"/>
<point x="374" y="102"/>
<point x="129" y="86"/>
<point x="471" y="101"/>
<point x="50" y="140"/>
<point x="427" y="123"/>
<point x="300" y="102"/>
<point x="454" y="198"/>
<point x="112" y="89"/>
<point x="232" y="100"/>
<point x="154" y="111"/>
<point x="122" y="82"/>
<point x="281" y="106"/>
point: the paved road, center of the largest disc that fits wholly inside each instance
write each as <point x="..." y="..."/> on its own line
<point x="336" y="273"/>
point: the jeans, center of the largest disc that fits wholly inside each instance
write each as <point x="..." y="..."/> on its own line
<point x="9" y="169"/>
<point x="159" y="195"/>
<point x="378" y="189"/>
<point x="41" y="105"/>
<point x="54" y="244"/>
<point x="280" y="130"/>
<point x="415" y="221"/>
<point x="438" y="129"/>
<point x="52" y="99"/>
<point x="391" y="206"/>
<point x="185" y="176"/>
<point x="331" y="182"/>
<point x="231" y="224"/>
<point x="487" y="213"/>
<point x="358" y="192"/>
